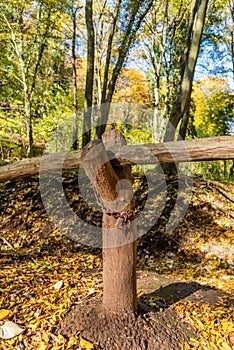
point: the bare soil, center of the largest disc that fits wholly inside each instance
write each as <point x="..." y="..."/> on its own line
<point x="152" y="328"/>
<point x="149" y="329"/>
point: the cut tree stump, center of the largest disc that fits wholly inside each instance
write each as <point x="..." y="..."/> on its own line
<point x="113" y="188"/>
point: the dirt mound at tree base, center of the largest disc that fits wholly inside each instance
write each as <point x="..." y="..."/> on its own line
<point x="148" y="330"/>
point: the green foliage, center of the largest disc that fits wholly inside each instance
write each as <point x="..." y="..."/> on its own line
<point x="212" y="115"/>
<point x="138" y="136"/>
<point x="35" y="65"/>
<point x="12" y="135"/>
<point x="213" y="170"/>
<point x="35" y="84"/>
<point x="214" y="107"/>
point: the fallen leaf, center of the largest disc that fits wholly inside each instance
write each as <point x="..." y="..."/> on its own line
<point x="9" y="330"/>
<point x="91" y="291"/>
<point x="86" y="344"/>
<point x="194" y="342"/>
<point x="225" y="346"/>
<point x="4" y="313"/>
<point x="58" y="285"/>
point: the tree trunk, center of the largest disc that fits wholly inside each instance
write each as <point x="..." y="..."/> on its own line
<point x="119" y="269"/>
<point x="113" y="187"/>
<point x="28" y="115"/>
<point x="184" y="125"/>
<point x="29" y="67"/>
<point x="75" y="144"/>
<point x="109" y="49"/>
<point x="87" y="122"/>
<point x="231" y="173"/>
<point x="193" y="44"/>
<point x="30" y="137"/>
<point x="231" y="7"/>
<point x="157" y="116"/>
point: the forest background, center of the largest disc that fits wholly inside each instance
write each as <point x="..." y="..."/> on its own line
<point x="158" y="71"/>
<point x="115" y="64"/>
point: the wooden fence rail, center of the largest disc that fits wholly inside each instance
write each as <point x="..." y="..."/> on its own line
<point x="214" y="148"/>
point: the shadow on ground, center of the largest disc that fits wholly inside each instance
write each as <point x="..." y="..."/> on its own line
<point x="164" y="291"/>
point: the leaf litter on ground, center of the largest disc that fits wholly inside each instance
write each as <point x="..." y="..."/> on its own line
<point x="46" y="274"/>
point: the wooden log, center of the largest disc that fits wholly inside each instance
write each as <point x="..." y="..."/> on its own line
<point x="214" y="148"/>
<point x="33" y="166"/>
<point x="114" y="193"/>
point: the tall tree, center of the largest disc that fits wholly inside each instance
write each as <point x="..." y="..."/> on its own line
<point x="231" y="41"/>
<point x="121" y="28"/>
<point x="74" y="11"/>
<point x="28" y="26"/>
<point x="89" y="72"/>
<point x="162" y="41"/>
<point x="193" y="40"/>
<point x="171" y="59"/>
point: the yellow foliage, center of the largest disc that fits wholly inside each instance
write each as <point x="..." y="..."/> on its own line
<point x="86" y="344"/>
<point x="211" y="97"/>
<point x="4" y="313"/>
<point x="132" y="87"/>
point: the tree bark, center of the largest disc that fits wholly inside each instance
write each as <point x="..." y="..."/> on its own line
<point x="213" y="148"/>
<point x="30" y="136"/>
<point x="75" y="144"/>
<point x="231" y="8"/>
<point x="231" y="172"/>
<point x="113" y="187"/>
<point x="184" y="124"/>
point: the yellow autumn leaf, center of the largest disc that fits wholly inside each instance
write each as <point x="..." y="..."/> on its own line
<point x="61" y="338"/>
<point x="225" y="346"/>
<point x="156" y="297"/>
<point x="72" y="341"/>
<point x="199" y="322"/>
<point x="228" y="326"/>
<point x="194" y="342"/>
<point x="54" y="319"/>
<point x="205" y="334"/>
<point x="218" y="339"/>
<point x="45" y="337"/>
<point x="44" y="346"/>
<point x="34" y="324"/>
<point x="4" y="313"/>
<point x="86" y="344"/>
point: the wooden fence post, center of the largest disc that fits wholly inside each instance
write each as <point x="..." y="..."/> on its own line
<point x="113" y="187"/>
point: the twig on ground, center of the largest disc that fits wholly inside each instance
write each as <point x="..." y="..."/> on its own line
<point x="9" y="245"/>
<point x="221" y="190"/>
